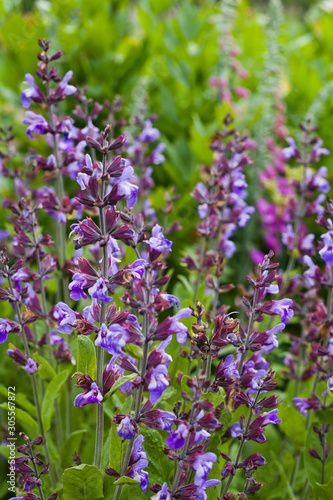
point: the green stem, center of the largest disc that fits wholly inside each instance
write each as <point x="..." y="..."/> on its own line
<point x="59" y="431"/>
<point x="249" y="329"/>
<point x="201" y="258"/>
<point x="100" y="350"/>
<point x="40" y="489"/>
<point x="183" y="453"/>
<point x="35" y="391"/>
<point x="138" y="400"/>
<point x="241" y="446"/>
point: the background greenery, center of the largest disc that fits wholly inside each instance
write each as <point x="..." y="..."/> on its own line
<point x="168" y="50"/>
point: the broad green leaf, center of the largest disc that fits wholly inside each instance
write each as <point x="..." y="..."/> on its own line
<point x="159" y="466"/>
<point x="84" y="482"/>
<point x="118" y="383"/>
<point x="45" y="370"/>
<point x="293" y="424"/>
<point x="52" y="392"/>
<point x="21" y="400"/>
<point x="117" y="450"/>
<point x="127" y="480"/>
<point x="27" y="422"/>
<point x="133" y="350"/>
<point x="323" y="491"/>
<point x="86" y="356"/>
<point x="70" y="446"/>
<point x="168" y="394"/>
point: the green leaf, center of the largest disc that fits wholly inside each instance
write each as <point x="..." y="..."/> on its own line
<point x="21" y="400"/>
<point x="133" y="350"/>
<point x="28" y="423"/>
<point x="293" y="424"/>
<point x="86" y="356"/>
<point x="45" y="370"/>
<point x="159" y="466"/>
<point x="118" y="383"/>
<point x="127" y="480"/>
<point x="117" y="450"/>
<point x="70" y="446"/>
<point x="323" y="491"/>
<point x="84" y="482"/>
<point x="168" y="394"/>
<point x="52" y="392"/>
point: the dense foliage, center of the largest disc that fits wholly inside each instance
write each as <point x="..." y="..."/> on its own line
<point x="166" y="250"/>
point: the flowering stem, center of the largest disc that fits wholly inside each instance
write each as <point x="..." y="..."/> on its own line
<point x="60" y="228"/>
<point x="241" y="446"/>
<point x="197" y="283"/>
<point x="35" y="391"/>
<point x="40" y="489"/>
<point x="182" y="454"/>
<point x="59" y="432"/>
<point x="138" y="400"/>
<point x="100" y="350"/>
<point x="249" y="329"/>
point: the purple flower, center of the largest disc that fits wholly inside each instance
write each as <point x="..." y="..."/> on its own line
<point x="163" y="494"/>
<point x="92" y="396"/>
<point x="178" y="437"/>
<point x="202" y="466"/>
<point x="171" y="325"/>
<point x="137" y="451"/>
<point x="158" y="382"/>
<point x="326" y="253"/>
<point x="158" y="242"/>
<point x="31" y="366"/>
<point x="65" y="316"/>
<point x="76" y="287"/>
<point x="99" y="291"/>
<point x="7" y="326"/>
<point x="272" y="342"/>
<point x="282" y="308"/>
<point x="31" y="92"/>
<point x="126" y="428"/>
<point x="291" y="150"/>
<point x="112" y="339"/>
<point x="172" y="299"/>
<point x="137" y="472"/>
<point x="37" y="124"/>
<point x="149" y="134"/>
<point x="270" y="417"/>
<point x="305" y="404"/>
<point x="125" y="188"/>
<point x="63" y="85"/>
<point x="156" y="156"/>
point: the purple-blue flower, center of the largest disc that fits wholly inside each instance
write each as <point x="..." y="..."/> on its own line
<point x="92" y="396"/>
<point x="178" y="437"/>
<point x="32" y="91"/>
<point x="158" y="382"/>
<point x="76" y="287"/>
<point x="158" y="241"/>
<point x="63" y="85"/>
<point x="326" y="253"/>
<point x="149" y="133"/>
<point x="99" y="291"/>
<point x="37" y="124"/>
<point x="163" y="494"/>
<point x="126" y="428"/>
<point x="112" y="338"/>
<point x="65" y="316"/>
<point x="31" y="366"/>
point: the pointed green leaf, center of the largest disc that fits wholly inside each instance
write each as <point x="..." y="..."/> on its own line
<point x="52" y="392"/>
<point x="45" y="370"/>
<point x="70" y="446"/>
<point x="84" y="482"/>
<point x="86" y="356"/>
<point x="127" y="480"/>
<point x="118" y="383"/>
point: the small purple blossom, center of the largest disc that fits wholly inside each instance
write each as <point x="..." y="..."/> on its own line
<point x="177" y="438"/>
<point x="31" y="366"/>
<point x="158" y="242"/>
<point x="65" y="316"/>
<point x="99" y="291"/>
<point x="91" y="396"/>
